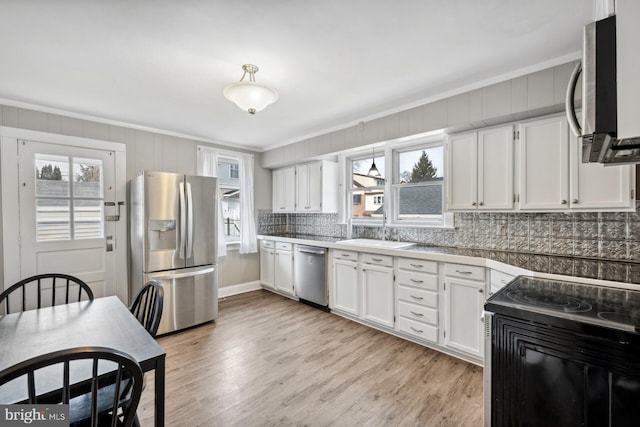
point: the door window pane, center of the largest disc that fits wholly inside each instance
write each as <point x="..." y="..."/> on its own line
<point x="52" y="175"/>
<point x="87" y="178"/>
<point x="87" y="219"/>
<point x="52" y="220"/>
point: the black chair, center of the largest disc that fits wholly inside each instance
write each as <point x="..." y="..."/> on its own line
<point x="35" y="286"/>
<point x="90" y="403"/>
<point x="147" y="306"/>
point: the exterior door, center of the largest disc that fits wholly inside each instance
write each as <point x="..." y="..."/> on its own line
<point x="62" y="193"/>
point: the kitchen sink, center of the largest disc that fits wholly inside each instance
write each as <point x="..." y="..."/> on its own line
<point x="372" y="243"/>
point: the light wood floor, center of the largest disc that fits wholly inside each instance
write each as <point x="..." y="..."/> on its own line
<point x="271" y="361"/>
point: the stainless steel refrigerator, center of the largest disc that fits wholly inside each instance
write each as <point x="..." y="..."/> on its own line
<point x="173" y="240"/>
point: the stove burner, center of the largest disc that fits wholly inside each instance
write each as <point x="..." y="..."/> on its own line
<point x="624" y="318"/>
<point x="554" y="302"/>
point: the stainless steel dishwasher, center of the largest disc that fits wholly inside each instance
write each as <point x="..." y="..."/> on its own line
<point x="310" y="276"/>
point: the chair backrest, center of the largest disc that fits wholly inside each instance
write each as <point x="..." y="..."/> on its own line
<point x="122" y="372"/>
<point x="147" y="306"/>
<point x="44" y="288"/>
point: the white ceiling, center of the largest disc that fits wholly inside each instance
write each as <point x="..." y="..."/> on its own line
<point x="163" y="63"/>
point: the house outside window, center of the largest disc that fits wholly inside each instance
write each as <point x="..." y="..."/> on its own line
<point x="229" y="187"/>
<point x="364" y="189"/>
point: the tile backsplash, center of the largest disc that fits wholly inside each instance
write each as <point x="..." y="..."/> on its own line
<point x="591" y="235"/>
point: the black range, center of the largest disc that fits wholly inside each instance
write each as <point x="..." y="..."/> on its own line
<point x="562" y="353"/>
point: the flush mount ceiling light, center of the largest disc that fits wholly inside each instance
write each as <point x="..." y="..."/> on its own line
<point x="373" y="170"/>
<point x="249" y="95"/>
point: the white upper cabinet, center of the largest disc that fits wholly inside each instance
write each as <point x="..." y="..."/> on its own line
<point x="495" y="168"/>
<point x="284" y="190"/>
<point x="306" y="188"/>
<point x="309" y="193"/>
<point x="553" y="177"/>
<point x="544" y="164"/>
<point x="595" y="186"/>
<point x="480" y="173"/>
<point x="462" y="189"/>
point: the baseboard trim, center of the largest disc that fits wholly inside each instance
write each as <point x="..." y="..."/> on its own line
<point x="240" y="288"/>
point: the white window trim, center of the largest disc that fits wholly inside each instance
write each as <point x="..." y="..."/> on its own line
<point x="390" y="152"/>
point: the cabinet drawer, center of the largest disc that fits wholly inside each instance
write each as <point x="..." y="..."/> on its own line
<point x="418" y="312"/>
<point x="464" y="271"/>
<point x="419" y="280"/>
<point x="417" y="329"/>
<point x="283" y="246"/>
<point x="418" y="296"/>
<point x="418" y="265"/>
<point x="346" y="255"/>
<point x="385" y="260"/>
<point x="267" y="244"/>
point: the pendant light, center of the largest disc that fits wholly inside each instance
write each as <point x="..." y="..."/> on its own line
<point x="373" y="170"/>
<point x="250" y="96"/>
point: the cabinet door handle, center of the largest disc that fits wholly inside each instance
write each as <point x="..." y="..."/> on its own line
<point x="417" y="330"/>
<point x="345" y="255"/>
<point x="574" y="201"/>
<point x="376" y="259"/>
<point x="481" y="291"/>
<point x="416" y="265"/>
<point x="417" y="314"/>
<point x="481" y="203"/>
<point x="463" y="272"/>
<point x="416" y="298"/>
<point x="355" y="268"/>
<point x="504" y="282"/>
<point x="473" y="204"/>
<point x="417" y="281"/>
<point x="564" y="202"/>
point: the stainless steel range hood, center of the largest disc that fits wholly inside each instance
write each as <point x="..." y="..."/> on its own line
<point x="603" y="99"/>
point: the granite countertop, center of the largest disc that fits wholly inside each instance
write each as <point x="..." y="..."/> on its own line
<point x="569" y="266"/>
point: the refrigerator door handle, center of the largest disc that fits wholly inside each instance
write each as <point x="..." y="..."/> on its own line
<point x="171" y="276"/>
<point x="183" y="224"/>
<point x="189" y="221"/>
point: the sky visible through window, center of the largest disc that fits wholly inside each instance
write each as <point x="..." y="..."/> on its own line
<point x="406" y="159"/>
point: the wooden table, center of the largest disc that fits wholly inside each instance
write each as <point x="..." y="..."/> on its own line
<point x="104" y="322"/>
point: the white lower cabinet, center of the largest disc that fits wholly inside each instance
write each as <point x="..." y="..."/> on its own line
<point x="463" y="304"/>
<point x="418" y="299"/>
<point x="435" y="303"/>
<point x="267" y="263"/>
<point x="377" y="290"/>
<point x="283" y="275"/>
<point x="345" y="286"/>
